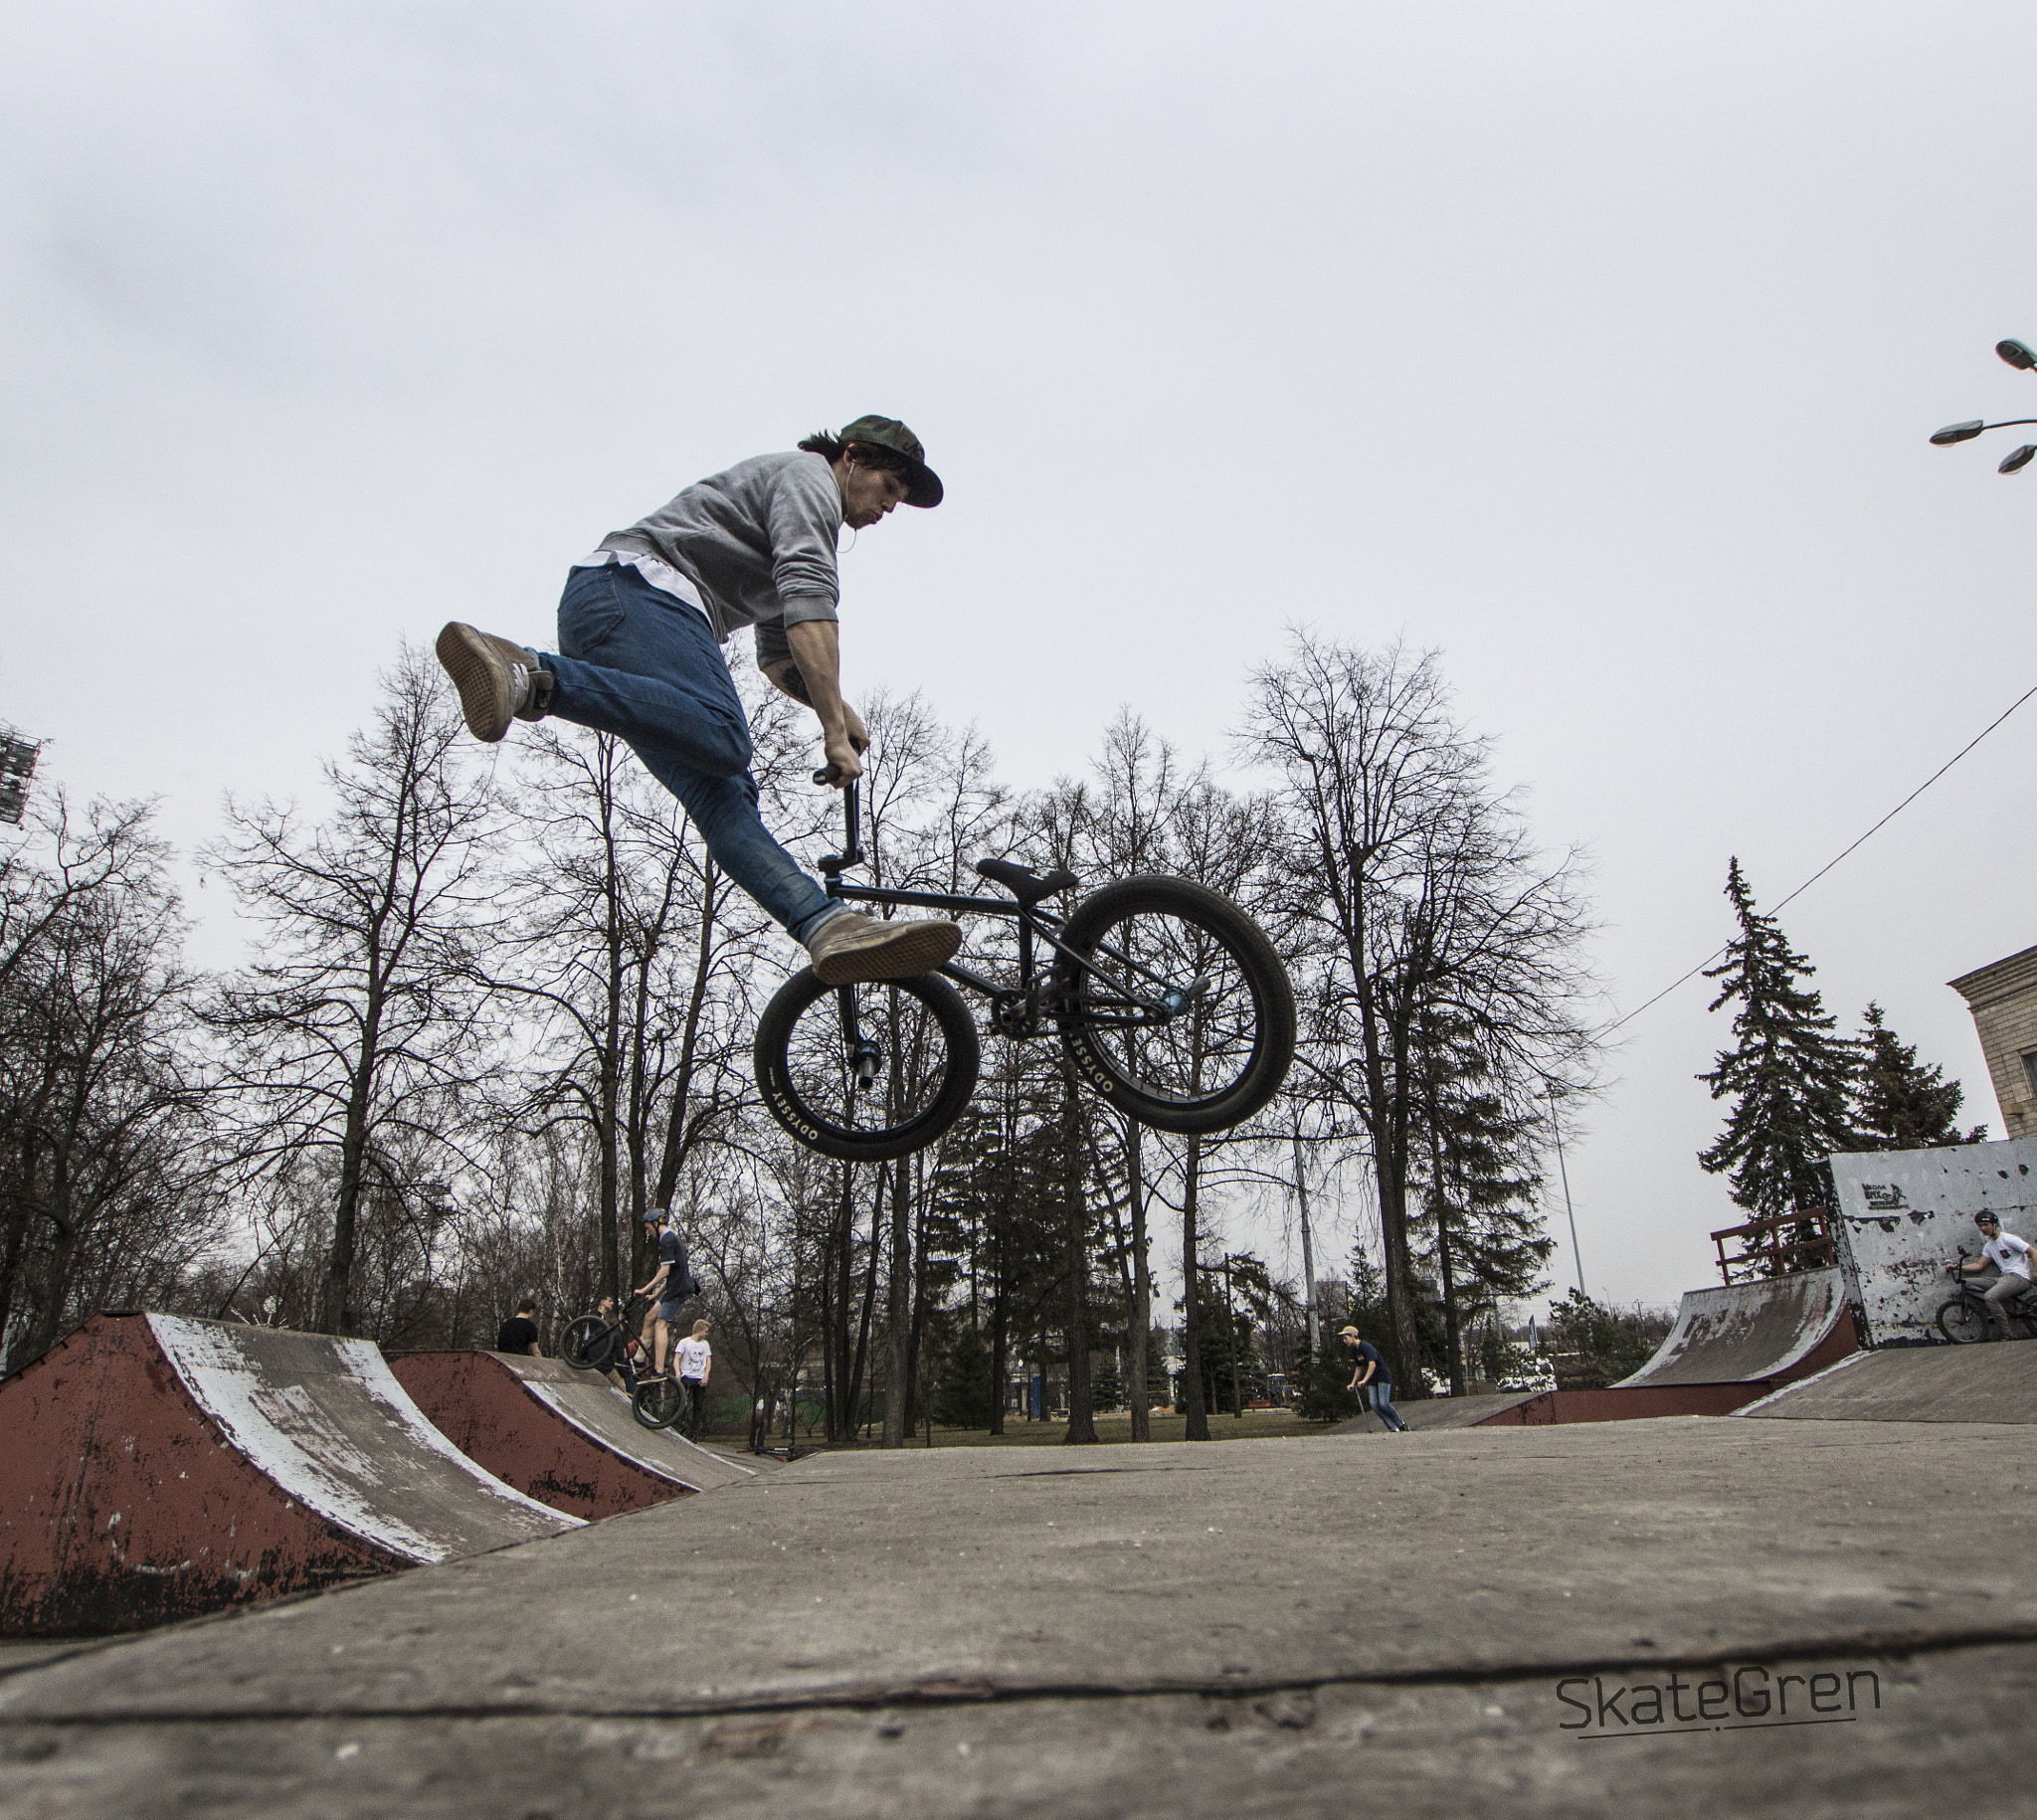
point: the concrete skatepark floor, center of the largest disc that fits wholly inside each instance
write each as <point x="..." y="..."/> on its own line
<point x="1262" y="1628"/>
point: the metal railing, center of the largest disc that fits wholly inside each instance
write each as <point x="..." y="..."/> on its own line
<point x="1765" y="1252"/>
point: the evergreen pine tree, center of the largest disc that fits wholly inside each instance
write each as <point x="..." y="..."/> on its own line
<point x="1320" y="1393"/>
<point x="964" y="1393"/>
<point x="1227" y="1334"/>
<point x="1106" y="1386"/>
<point x="1368" y="1313"/>
<point x="1477" y="1183"/>
<point x="1790" y="1078"/>
<point x="1159" y="1388"/>
<point x="1901" y="1104"/>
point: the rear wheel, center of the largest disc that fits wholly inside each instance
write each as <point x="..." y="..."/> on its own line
<point x="866" y="1072"/>
<point x="585" y="1342"/>
<point x="1178" y="1010"/>
<point x="1962" y="1323"/>
<point x="657" y="1402"/>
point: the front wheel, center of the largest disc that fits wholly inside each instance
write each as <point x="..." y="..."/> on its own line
<point x="657" y="1402"/>
<point x="866" y="1072"/>
<point x="1961" y="1323"/>
<point x="1175" y="1006"/>
<point x="584" y="1345"/>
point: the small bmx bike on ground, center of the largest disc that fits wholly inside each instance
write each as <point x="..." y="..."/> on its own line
<point x="1169" y="1000"/>
<point x="1964" y="1319"/>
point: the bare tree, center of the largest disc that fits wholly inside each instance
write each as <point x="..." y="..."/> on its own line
<point x="928" y="798"/>
<point x="1411" y="888"/>
<point x="356" y="1034"/>
<point x="107" y="1192"/>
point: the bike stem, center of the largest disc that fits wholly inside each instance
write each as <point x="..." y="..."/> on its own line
<point x="852" y="854"/>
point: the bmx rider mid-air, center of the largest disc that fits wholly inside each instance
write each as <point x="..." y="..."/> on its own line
<point x="641" y="625"/>
<point x="2008" y="1254"/>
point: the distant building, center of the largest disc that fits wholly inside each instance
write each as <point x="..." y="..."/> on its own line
<point x="2003" y="999"/>
<point x="17" y="765"/>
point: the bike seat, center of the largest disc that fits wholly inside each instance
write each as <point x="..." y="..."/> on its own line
<point x="1026" y="885"/>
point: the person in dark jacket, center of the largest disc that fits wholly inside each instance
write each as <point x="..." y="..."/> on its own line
<point x="1372" y="1379"/>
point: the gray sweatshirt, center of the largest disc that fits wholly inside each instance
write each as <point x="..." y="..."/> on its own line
<point x="759" y="542"/>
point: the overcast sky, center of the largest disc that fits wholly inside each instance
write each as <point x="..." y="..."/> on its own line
<point x="1593" y="345"/>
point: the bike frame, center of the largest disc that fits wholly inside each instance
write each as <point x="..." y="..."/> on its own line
<point x="1034" y="925"/>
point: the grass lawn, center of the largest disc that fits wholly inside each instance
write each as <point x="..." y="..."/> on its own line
<point x="1254" y="1424"/>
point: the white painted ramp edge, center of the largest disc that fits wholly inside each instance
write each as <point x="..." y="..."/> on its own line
<point x="559" y="1406"/>
<point x="1816" y="1378"/>
<point x="271" y="1424"/>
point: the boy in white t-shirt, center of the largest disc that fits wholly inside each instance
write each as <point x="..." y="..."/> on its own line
<point x="2008" y="1254"/>
<point x="696" y="1359"/>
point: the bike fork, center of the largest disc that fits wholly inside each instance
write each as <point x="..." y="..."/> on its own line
<point x="863" y="1054"/>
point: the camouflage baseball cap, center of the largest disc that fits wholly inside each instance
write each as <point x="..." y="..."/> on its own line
<point x="890" y="433"/>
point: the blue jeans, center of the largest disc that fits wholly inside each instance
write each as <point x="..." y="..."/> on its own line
<point x="1379" y="1394"/>
<point x="637" y="664"/>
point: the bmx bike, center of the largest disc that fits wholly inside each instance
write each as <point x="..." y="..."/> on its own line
<point x="1169" y="1003"/>
<point x="1965" y="1320"/>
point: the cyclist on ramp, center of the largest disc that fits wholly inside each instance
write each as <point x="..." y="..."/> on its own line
<point x="2008" y="1254"/>
<point x="641" y="625"/>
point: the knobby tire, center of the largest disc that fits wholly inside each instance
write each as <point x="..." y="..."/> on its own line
<point x="806" y="1091"/>
<point x="657" y="1402"/>
<point x="582" y="1344"/>
<point x="1162" y="1079"/>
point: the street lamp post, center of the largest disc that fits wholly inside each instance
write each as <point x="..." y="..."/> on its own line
<point x="2024" y="360"/>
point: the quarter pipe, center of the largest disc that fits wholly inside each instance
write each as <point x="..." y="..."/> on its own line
<point x="159" y="1468"/>
<point x="1753" y="1333"/>
<point x="561" y="1436"/>
<point x="1728" y="1347"/>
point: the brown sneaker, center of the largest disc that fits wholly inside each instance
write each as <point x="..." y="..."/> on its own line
<point x="852" y="949"/>
<point x="496" y="681"/>
<point x="538" y="698"/>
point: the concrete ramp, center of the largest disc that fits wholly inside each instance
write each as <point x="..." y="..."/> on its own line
<point x="1746" y="1333"/>
<point x="1439" y="1413"/>
<point x="1990" y="1383"/>
<point x="158" y="1468"/>
<point x="564" y="1437"/>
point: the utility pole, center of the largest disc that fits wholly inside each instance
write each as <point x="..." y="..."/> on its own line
<point x="1308" y="1251"/>
<point x="1237" y="1395"/>
<point x="1557" y="1129"/>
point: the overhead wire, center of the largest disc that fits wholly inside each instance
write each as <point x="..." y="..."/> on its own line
<point x="1683" y="979"/>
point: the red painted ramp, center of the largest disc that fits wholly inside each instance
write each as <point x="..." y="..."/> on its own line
<point x="158" y="1468"/>
<point x="562" y="1436"/>
<point x="1624" y="1404"/>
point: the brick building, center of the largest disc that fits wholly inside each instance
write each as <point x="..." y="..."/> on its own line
<point x="2003" y="999"/>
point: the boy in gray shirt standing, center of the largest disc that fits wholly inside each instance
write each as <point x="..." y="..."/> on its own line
<point x="641" y="625"/>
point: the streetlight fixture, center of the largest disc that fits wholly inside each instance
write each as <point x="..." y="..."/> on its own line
<point x="2024" y="359"/>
